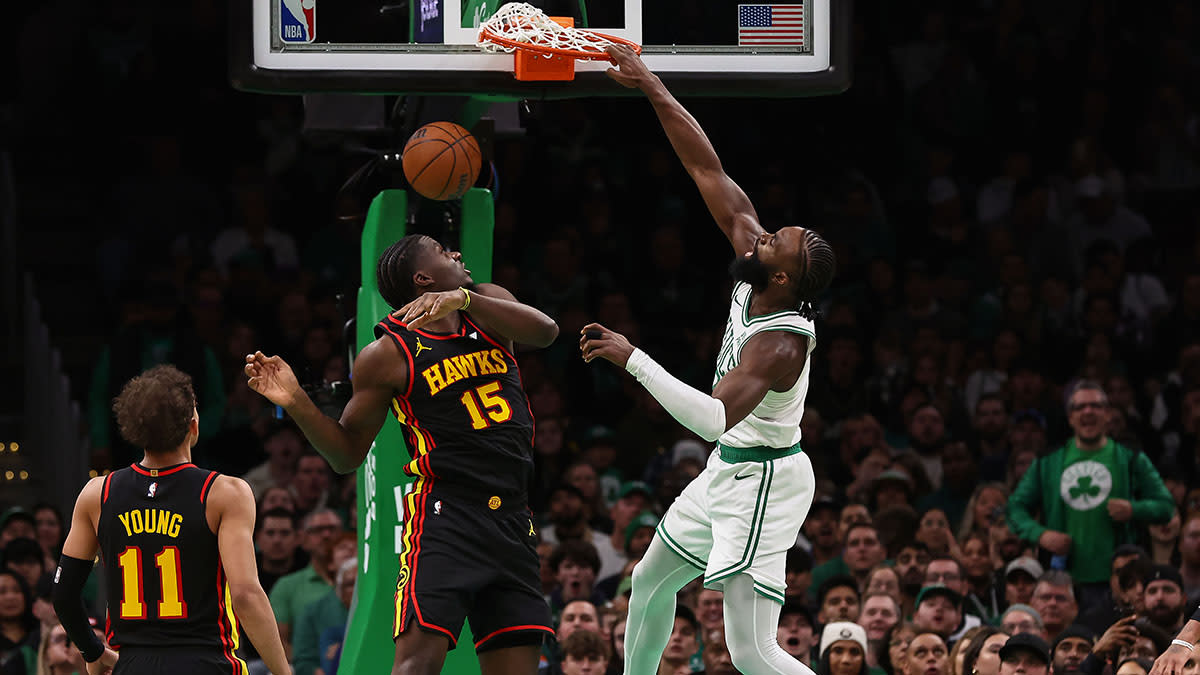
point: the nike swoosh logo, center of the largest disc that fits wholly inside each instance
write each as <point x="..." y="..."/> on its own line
<point x="741" y="477"/>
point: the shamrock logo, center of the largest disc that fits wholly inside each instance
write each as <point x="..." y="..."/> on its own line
<point x="1085" y="487"/>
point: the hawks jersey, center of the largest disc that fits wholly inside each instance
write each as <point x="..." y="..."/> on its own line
<point x="163" y="574"/>
<point x="775" y="421"/>
<point x="465" y="415"/>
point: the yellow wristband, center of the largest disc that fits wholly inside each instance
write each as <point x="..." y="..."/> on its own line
<point x="467" y="293"/>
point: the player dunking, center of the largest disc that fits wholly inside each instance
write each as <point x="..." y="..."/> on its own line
<point x="178" y="549"/>
<point x="735" y="522"/>
<point x="443" y="364"/>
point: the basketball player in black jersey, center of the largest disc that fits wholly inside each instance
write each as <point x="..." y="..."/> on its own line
<point x="443" y="364"/>
<point x="177" y="546"/>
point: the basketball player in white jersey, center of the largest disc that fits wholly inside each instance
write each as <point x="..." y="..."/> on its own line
<point x="735" y="522"/>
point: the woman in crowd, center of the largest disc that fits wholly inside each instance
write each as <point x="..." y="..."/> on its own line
<point x="895" y="647"/>
<point x="982" y="657"/>
<point x="843" y="649"/>
<point x="18" y="626"/>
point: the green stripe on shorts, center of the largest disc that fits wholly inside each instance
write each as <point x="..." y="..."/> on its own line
<point x="679" y="549"/>
<point x="769" y="593"/>
<point x="756" y="523"/>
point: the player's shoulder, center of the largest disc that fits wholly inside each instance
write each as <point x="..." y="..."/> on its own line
<point x="493" y="291"/>
<point x="230" y="490"/>
<point x="94" y="487"/>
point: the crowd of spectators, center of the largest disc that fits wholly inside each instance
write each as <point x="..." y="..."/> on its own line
<point x="1005" y="396"/>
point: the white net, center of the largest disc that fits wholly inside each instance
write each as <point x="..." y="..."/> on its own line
<point x="518" y="23"/>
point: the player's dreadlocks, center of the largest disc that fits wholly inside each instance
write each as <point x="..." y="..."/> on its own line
<point x="819" y="267"/>
<point x="395" y="271"/>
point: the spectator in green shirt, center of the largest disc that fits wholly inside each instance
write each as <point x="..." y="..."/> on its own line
<point x="296" y="591"/>
<point x="329" y="611"/>
<point x="1091" y="493"/>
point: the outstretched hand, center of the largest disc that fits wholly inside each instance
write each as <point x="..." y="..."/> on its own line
<point x="1172" y="661"/>
<point x="272" y="377"/>
<point x="431" y="307"/>
<point x="631" y="71"/>
<point x="598" y="341"/>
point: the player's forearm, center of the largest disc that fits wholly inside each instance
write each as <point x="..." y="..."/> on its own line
<point x="254" y="611"/>
<point x="1191" y="630"/>
<point x="685" y="133"/>
<point x="699" y="412"/>
<point x="514" y="320"/>
<point x="343" y="452"/>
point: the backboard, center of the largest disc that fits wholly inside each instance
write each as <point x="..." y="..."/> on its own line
<point x="710" y="48"/>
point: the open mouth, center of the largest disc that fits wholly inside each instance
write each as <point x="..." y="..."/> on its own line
<point x="793" y="642"/>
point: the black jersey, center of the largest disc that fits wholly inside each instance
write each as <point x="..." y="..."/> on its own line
<point x="163" y="575"/>
<point x="466" y="418"/>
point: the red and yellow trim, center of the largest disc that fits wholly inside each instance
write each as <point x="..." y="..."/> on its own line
<point x="227" y="627"/>
<point x="419" y="440"/>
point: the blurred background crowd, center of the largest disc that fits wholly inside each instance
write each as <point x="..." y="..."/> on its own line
<point x="1005" y="395"/>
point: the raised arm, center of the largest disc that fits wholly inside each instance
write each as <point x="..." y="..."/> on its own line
<point x="344" y="442"/>
<point x="233" y="503"/>
<point x="727" y="202"/>
<point x="490" y="304"/>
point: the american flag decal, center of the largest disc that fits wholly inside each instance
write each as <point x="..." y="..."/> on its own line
<point x="776" y="25"/>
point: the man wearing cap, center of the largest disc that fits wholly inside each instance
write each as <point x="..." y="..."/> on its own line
<point x="797" y="632"/>
<point x="16" y="522"/>
<point x="1164" y="599"/>
<point x="891" y="487"/>
<point x="1093" y="493"/>
<point x="844" y="645"/>
<point x="633" y="498"/>
<point x="1020" y="576"/>
<point x="1071" y="649"/>
<point x="1025" y="654"/>
<point x="1028" y="429"/>
<point x="939" y="610"/>
<point x="819" y="532"/>
<point x="1022" y="619"/>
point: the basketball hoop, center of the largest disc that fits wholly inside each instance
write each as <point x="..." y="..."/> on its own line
<point x="545" y="47"/>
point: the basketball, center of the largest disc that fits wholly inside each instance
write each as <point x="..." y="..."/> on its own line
<point x="441" y="161"/>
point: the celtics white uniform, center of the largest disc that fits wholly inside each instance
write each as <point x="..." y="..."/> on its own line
<point x="742" y="513"/>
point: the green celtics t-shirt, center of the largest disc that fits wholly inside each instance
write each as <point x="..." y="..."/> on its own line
<point x="1086" y="483"/>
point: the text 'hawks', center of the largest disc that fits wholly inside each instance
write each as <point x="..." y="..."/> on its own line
<point x="452" y="369"/>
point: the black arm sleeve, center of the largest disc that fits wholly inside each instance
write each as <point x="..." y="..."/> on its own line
<point x="69" y="579"/>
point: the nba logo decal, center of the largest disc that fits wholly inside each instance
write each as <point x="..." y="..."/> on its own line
<point x="297" y="21"/>
<point x="153" y="490"/>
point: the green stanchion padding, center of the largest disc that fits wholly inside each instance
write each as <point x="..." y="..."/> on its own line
<point x="368" y="646"/>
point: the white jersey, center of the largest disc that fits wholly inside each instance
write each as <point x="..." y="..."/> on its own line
<point x="775" y="421"/>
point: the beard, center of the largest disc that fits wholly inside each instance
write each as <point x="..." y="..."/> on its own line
<point x="750" y="270"/>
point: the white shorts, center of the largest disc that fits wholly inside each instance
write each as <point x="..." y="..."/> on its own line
<point x="742" y="516"/>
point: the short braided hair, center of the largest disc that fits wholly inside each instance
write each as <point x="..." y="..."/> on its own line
<point x="819" y="267"/>
<point x="395" y="270"/>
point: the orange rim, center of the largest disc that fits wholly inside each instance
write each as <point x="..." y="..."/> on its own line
<point x="487" y="34"/>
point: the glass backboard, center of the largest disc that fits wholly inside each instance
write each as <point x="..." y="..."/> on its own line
<point x="712" y="48"/>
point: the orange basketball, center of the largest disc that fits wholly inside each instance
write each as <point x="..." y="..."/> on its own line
<point x="441" y="161"/>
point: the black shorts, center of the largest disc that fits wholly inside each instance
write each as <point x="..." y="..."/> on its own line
<point x="148" y="660"/>
<point x="470" y="557"/>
